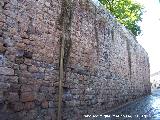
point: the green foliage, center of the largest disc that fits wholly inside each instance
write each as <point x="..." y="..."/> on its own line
<point x="127" y="12"/>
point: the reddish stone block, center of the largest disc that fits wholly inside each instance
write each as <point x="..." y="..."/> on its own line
<point x="27" y="97"/>
<point x="27" y="88"/>
<point x="29" y="105"/>
<point x="45" y="104"/>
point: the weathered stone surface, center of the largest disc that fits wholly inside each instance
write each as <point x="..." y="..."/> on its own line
<point x="27" y="97"/>
<point x="28" y="54"/>
<point x="33" y="69"/>
<point x="2" y="48"/>
<point x="19" y="60"/>
<point x="4" y="86"/>
<point x="27" y="88"/>
<point x="104" y="66"/>
<point x="20" y="45"/>
<point x="2" y="60"/>
<point x="29" y="105"/>
<point x="23" y="67"/>
<point x="12" y="97"/>
<point x="6" y="71"/>
<point x="45" y="104"/>
<point x="51" y="104"/>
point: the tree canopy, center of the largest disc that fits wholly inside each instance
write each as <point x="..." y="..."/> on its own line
<point x="127" y="13"/>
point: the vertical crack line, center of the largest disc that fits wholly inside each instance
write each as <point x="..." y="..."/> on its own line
<point x="96" y="33"/>
<point x="61" y="78"/>
<point x="65" y="45"/>
<point x="129" y="59"/>
<point x="112" y="34"/>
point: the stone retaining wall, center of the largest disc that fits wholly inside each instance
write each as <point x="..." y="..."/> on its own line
<point x="104" y="66"/>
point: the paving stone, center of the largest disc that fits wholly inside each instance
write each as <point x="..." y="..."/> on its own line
<point x="140" y="109"/>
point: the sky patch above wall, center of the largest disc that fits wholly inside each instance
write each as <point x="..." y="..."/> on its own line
<point x="150" y="38"/>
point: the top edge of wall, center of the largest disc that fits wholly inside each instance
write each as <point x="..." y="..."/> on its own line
<point x="122" y="28"/>
<point x="127" y="33"/>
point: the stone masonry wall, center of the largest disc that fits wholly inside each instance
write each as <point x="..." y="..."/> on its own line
<point x="29" y="58"/>
<point x="104" y="66"/>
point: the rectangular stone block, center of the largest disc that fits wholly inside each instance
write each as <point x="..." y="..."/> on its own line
<point x="27" y="88"/>
<point x="12" y="97"/>
<point x="6" y="71"/>
<point x="18" y="106"/>
<point x="27" y="97"/>
<point x="45" y="104"/>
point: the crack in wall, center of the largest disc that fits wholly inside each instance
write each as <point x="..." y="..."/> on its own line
<point x="96" y="33"/>
<point x="129" y="59"/>
<point x="85" y="89"/>
<point x="64" y="22"/>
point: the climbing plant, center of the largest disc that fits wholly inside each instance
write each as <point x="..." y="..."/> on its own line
<point x="127" y="12"/>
